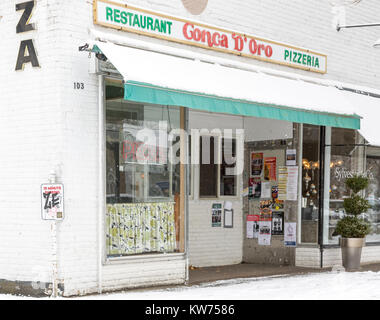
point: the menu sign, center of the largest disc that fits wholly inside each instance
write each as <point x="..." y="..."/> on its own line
<point x="132" y="19"/>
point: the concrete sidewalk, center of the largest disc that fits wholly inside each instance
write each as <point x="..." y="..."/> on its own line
<point x="246" y="270"/>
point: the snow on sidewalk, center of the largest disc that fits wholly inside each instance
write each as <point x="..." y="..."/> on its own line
<point x="330" y="285"/>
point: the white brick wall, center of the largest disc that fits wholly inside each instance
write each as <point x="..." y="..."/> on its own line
<point x="214" y="246"/>
<point x="31" y="131"/>
<point x="45" y="124"/>
<point x="310" y="257"/>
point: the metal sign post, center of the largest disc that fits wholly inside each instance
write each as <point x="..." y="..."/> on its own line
<point x="52" y="199"/>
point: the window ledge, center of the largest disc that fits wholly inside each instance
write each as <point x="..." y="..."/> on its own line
<point x="307" y="245"/>
<point x="144" y="258"/>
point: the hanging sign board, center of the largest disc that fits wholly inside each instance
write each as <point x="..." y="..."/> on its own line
<point x="52" y="197"/>
<point x="132" y="19"/>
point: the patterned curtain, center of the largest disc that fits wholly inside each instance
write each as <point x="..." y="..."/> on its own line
<point x="140" y="228"/>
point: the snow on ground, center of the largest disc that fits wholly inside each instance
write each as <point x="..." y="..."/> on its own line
<point x="329" y="285"/>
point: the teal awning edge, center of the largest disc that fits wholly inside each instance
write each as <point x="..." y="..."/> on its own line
<point x="147" y="93"/>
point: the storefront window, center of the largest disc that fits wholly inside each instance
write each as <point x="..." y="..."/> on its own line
<point x="217" y="167"/>
<point x="208" y="168"/>
<point x="373" y="191"/>
<point x="144" y="176"/>
<point x="310" y="184"/>
<point x="349" y="156"/>
<point x="227" y="168"/>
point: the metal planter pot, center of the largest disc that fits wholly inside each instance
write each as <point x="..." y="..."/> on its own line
<point x="351" y="252"/>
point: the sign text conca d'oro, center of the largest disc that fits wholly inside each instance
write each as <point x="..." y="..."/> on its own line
<point x="141" y="21"/>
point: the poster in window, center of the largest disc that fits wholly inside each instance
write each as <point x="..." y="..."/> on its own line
<point x="254" y="188"/>
<point x="256" y="163"/>
<point x="282" y="182"/>
<point x="270" y="168"/>
<point x="216" y="216"/>
<point x="274" y="193"/>
<point x="265" y="228"/>
<point x="277" y="223"/>
<point x="291" y="155"/>
<point x="266" y="214"/>
<point x="292" y="183"/>
<point x="133" y="150"/>
<point x="290" y="238"/>
<point x="253" y="226"/>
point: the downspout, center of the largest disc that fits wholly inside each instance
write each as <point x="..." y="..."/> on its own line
<point x="321" y="190"/>
<point x="101" y="192"/>
<point x="54" y="244"/>
<point x="187" y="188"/>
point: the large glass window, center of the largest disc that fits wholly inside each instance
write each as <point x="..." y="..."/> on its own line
<point x="349" y="156"/>
<point x="346" y="154"/>
<point x="373" y="191"/>
<point x="310" y="184"/>
<point x="144" y="176"/>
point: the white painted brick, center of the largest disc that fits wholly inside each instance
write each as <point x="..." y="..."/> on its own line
<point x="45" y="124"/>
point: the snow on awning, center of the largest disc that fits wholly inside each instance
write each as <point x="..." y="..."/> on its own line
<point x="157" y="78"/>
<point x="369" y="109"/>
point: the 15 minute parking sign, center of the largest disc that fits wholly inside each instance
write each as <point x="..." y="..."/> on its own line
<point x="52" y="197"/>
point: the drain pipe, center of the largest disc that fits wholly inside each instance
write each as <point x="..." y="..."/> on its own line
<point x="101" y="175"/>
<point x="321" y="190"/>
<point x="187" y="188"/>
<point x="54" y="245"/>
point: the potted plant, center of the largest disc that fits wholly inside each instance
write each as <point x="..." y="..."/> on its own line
<point x="353" y="228"/>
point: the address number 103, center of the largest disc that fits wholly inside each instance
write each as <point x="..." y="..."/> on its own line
<point x="78" y="86"/>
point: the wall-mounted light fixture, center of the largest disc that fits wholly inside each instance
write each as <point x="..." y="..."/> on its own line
<point x="377" y="44"/>
<point x="338" y="27"/>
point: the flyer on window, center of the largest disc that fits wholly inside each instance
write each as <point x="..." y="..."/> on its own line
<point x="270" y="169"/>
<point x="256" y="163"/>
<point x="255" y="188"/>
<point x="216" y="216"/>
<point x="277" y="223"/>
<point x="291" y="155"/>
<point x="292" y="183"/>
<point x="253" y="226"/>
<point x="265" y="224"/>
<point x="290" y="238"/>
<point x="265" y="233"/>
<point x="266" y="190"/>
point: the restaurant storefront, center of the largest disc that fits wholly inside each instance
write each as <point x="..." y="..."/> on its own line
<point x="192" y="189"/>
<point x="190" y="145"/>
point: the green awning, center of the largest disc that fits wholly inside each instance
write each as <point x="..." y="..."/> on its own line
<point x="164" y="79"/>
<point x="146" y="93"/>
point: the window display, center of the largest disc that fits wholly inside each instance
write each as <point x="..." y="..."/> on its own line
<point x="310" y="184"/>
<point x="350" y="156"/>
<point x="143" y="176"/>
<point x="373" y="191"/>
